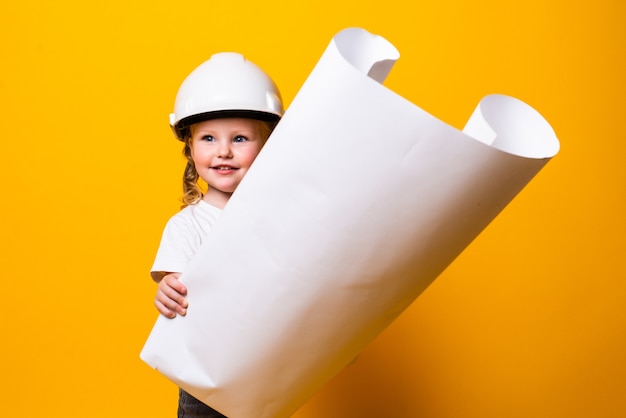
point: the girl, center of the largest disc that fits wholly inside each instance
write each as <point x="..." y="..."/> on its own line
<point x="224" y="112"/>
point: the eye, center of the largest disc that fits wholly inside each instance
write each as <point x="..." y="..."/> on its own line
<point x="208" y="138"/>
<point x="240" y="138"/>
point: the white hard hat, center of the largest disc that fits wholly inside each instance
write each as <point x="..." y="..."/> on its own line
<point x="227" y="85"/>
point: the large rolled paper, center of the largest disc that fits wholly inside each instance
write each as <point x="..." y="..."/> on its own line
<point x="359" y="200"/>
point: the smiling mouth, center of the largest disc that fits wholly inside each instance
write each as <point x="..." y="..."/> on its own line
<point x="223" y="168"/>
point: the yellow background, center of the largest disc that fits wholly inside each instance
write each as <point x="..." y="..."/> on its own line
<point x="530" y="321"/>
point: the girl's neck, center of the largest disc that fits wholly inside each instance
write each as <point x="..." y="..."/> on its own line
<point x="216" y="198"/>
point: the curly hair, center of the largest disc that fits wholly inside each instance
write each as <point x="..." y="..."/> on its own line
<point x="192" y="192"/>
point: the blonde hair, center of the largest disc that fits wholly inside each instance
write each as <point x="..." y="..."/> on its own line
<point x="192" y="189"/>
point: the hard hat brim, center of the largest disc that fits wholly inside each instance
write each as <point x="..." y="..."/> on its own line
<point x="183" y="124"/>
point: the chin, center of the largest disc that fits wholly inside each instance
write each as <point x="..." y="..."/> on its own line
<point x="226" y="190"/>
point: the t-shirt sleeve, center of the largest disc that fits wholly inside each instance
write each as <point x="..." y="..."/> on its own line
<point x="179" y="242"/>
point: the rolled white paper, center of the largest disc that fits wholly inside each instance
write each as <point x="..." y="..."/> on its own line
<point x="358" y="201"/>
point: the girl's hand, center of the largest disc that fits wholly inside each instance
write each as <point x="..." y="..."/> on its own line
<point x="170" y="298"/>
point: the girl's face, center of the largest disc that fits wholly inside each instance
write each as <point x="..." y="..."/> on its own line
<point x="222" y="151"/>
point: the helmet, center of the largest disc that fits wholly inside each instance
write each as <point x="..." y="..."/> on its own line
<point x="227" y="85"/>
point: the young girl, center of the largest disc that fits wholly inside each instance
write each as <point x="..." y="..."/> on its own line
<point x="224" y="112"/>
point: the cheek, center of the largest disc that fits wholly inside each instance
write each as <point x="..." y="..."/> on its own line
<point x="250" y="155"/>
<point x="198" y="155"/>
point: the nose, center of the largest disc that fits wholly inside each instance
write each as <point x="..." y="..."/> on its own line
<point x="224" y="150"/>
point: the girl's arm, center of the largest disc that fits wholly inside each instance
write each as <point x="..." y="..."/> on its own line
<point x="170" y="297"/>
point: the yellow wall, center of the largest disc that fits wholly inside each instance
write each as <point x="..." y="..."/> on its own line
<point x="530" y="321"/>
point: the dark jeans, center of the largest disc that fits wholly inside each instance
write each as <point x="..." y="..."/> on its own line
<point x="190" y="407"/>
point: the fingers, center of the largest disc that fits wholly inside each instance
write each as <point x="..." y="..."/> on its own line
<point x="164" y="310"/>
<point x="170" y="298"/>
<point x="171" y="280"/>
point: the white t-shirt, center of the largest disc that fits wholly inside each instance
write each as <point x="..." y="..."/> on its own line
<point x="182" y="236"/>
